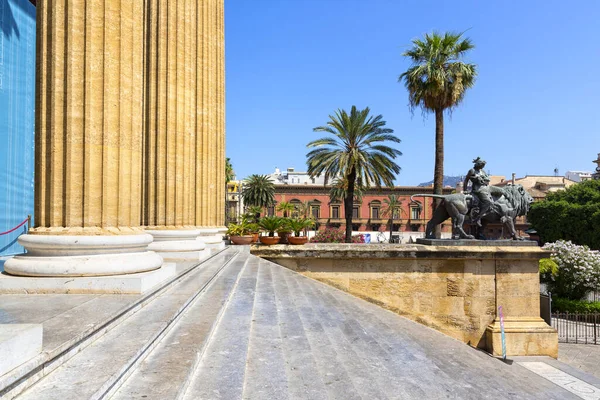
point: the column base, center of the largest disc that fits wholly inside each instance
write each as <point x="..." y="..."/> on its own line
<point x="212" y="237"/>
<point x="178" y="244"/>
<point x="527" y="336"/>
<point x="73" y="256"/>
<point x="116" y="284"/>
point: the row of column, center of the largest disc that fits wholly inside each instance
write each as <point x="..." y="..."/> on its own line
<point x="129" y="126"/>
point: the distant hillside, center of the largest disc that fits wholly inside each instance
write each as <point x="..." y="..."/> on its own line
<point x="448" y="181"/>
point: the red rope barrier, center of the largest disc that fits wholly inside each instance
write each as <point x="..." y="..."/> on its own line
<point x="15" y="228"/>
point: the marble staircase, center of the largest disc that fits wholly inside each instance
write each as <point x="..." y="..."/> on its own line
<point x="240" y="327"/>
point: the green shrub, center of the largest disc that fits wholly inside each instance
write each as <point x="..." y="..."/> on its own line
<point x="580" y="306"/>
<point x="572" y="214"/>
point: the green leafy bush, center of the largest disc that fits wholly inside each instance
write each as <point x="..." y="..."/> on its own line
<point x="572" y="214"/>
<point x="560" y="304"/>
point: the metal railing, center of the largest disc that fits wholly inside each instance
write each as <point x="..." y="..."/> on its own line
<point x="577" y="327"/>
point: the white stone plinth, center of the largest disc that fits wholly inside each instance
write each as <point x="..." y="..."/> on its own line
<point x="178" y="244"/>
<point x="65" y="256"/>
<point x="18" y="344"/>
<point x="116" y="284"/>
<point x="212" y="237"/>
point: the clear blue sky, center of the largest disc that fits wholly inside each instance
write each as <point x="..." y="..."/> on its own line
<point x="534" y="107"/>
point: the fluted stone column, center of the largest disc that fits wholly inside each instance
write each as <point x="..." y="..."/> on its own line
<point x="184" y="127"/>
<point x="89" y="120"/>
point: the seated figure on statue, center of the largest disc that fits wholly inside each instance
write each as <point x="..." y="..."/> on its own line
<point x="481" y="189"/>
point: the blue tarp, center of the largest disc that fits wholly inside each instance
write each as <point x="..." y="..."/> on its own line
<point x="17" y="103"/>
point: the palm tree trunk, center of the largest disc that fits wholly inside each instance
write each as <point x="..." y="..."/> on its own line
<point x="348" y="204"/>
<point x="391" y="226"/>
<point x="438" y="175"/>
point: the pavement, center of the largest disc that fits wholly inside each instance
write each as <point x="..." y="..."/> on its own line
<point x="240" y="327"/>
<point x="585" y="357"/>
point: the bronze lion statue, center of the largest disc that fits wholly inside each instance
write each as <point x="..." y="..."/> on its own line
<point x="510" y="202"/>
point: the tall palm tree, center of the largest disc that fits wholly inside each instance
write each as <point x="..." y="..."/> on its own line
<point x="392" y="207"/>
<point x="354" y="152"/>
<point x="437" y="81"/>
<point x="285" y="207"/>
<point x="258" y="190"/>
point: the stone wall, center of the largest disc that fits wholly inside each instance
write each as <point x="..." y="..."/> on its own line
<point x="455" y="290"/>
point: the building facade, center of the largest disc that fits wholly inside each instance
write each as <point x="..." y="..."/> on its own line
<point x="368" y="212"/>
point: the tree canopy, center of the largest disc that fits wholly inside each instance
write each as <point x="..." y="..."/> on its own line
<point x="437" y="81"/>
<point x="572" y="214"/>
<point x="258" y="190"/>
<point x="354" y="151"/>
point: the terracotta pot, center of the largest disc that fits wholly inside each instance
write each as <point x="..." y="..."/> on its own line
<point x="297" y="239"/>
<point x="283" y="237"/>
<point x="240" y="240"/>
<point x="255" y="237"/>
<point x="269" y="240"/>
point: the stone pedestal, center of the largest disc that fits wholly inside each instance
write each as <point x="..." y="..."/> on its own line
<point x="138" y="283"/>
<point x="212" y="237"/>
<point x="529" y="336"/>
<point x="178" y="244"/>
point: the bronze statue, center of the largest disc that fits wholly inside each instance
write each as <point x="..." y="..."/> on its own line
<point x="494" y="204"/>
<point x="481" y="189"/>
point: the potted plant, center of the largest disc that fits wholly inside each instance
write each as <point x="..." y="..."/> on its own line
<point x="270" y="224"/>
<point x="284" y="231"/>
<point x="298" y="225"/>
<point x="254" y="230"/>
<point x="239" y="233"/>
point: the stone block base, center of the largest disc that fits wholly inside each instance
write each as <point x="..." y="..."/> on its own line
<point x="524" y="337"/>
<point x="18" y="344"/>
<point x="115" y="284"/>
<point x="184" y="255"/>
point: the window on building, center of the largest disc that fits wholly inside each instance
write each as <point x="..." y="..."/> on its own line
<point x="315" y="211"/>
<point x="297" y="205"/>
<point x="355" y="213"/>
<point x="415" y="213"/>
<point x="375" y="212"/>
<point x="335" y="212"/>
<point x="396" y="213"/>
<point x="271" y="211"/>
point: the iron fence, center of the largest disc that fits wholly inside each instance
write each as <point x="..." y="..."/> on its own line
<point x="577" y="327"/>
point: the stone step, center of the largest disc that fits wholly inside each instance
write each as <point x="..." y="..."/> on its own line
<point x="97" y="370"/>
<point x="418" y="362"/>
<point x="358" y="379"/>
<point x="265" y="375"/>
<point x="62" y="342"/>
<point x="220" y="372"/>
<point x="304" y="373"/>
<point x="164" y="374"/>
<point x="18" y="344"/>
<point x="388" y="356"/>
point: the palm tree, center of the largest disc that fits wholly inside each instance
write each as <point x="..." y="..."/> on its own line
<point x="258" y="190"/>
<point x="339" y="189"/>
<point x="285" y="207"/>
<point x="393" y="203"/>
<point x="354" y="152"/>
<point x="437" y="81"/>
